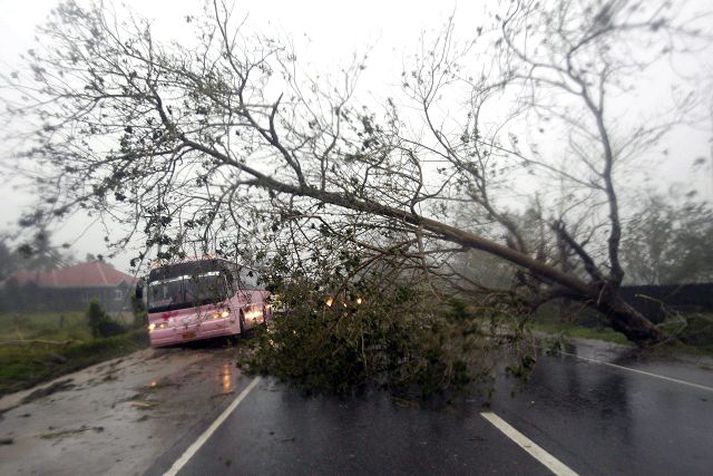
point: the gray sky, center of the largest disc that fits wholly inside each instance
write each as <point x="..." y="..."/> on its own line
<point x="325" y="34"/>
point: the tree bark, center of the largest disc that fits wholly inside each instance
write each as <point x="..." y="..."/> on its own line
<point x="627" y="320"/>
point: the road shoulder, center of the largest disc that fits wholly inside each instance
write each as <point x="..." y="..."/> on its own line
<point x="116" y="417"/>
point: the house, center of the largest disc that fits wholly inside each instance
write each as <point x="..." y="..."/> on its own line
<point x="68" y="289"/>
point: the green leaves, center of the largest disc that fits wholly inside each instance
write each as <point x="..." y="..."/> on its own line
<point x="374" y="331"/>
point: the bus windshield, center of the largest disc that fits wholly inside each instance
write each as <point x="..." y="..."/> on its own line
<point x="186" y="291"/>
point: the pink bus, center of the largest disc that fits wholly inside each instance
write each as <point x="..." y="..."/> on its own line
<point x="202" y="299"/>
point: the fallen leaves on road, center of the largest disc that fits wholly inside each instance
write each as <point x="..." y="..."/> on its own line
<point x="58" y="386"/>
<point x="144" y="405"/>
<point x="63" y="433"/>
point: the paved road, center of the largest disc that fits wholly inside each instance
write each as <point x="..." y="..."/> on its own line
<point x="116" y="417"/>
<point x="592" y="418"/>
<point x="600" y="419"/>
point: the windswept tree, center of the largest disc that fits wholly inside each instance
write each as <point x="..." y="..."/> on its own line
<point x="37" y="253"/>
<point x="668" y="241"/>
<point x="8" y="261"/>
<point x="225" y="142"/>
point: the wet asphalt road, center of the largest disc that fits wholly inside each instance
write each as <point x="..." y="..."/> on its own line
<point x="596" y="419"/>
<point x="603" y="420"/>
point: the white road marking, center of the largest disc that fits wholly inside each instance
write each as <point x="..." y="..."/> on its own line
<point x="641" y="372"/>
<point x="188" y="454"/>
<point x="553" y="464"/>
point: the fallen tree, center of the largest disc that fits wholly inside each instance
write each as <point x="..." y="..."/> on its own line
<point x="226" y="143"/>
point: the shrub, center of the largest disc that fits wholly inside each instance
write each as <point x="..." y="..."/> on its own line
<point x="398" y="336"/>
<point x="141" y="317"/>
<point x="694" y="329"/>
<point x="100" y="323"/>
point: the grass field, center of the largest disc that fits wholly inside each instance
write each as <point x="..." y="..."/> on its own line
<point x="36" y="347"/>
<point x="572" y="330"/>
<point x="696" y="338"/>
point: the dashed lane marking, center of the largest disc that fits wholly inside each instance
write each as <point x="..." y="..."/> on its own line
<point x="536" y="451"/>
<point x="188" y="454"/>
<point x="640" y="372"/>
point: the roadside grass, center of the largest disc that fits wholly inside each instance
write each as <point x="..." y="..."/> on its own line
<point x="694" y="336"/>
<point x="678" y="348"/>
<point x="693" y="333"/>
<point x="572" y="330"/>
<point x="37" y="347"/>
<point x="44" y="325"/>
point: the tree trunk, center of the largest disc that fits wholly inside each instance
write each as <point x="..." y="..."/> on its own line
<point x="627" y="320"/>
<point x="623" y="317"/>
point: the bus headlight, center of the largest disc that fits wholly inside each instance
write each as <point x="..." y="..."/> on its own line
<point x="221" y="314"/>
<point x="152" y="326"/>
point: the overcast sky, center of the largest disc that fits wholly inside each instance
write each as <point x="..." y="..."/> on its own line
<point x="326" y="33"/>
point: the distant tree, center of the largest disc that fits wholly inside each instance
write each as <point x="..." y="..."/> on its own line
<point x="669" y="242"/>
<point x="36" y="254"/>
<point x="8" y="260"/>
<point x="39" y="254"/>
<point x="100" y="323"/>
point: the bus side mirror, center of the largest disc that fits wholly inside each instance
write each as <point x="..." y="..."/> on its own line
<point x="139" y="291"/>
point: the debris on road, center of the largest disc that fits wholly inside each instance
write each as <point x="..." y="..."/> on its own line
<point x="86" y="423"/>
<point x="58" y="386"/>
<point x="63" y="433"/>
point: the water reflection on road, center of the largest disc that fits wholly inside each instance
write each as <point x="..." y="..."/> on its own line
<point x="227" y="378"/>
<point x="596" y="419"/>
<point x="605" y="420"/>
<point x="119" y="416"/>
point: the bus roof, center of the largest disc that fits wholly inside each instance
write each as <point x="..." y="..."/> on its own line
<point x="190" y="268"/>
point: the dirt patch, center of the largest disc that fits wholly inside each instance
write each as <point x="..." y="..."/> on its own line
<point x="59" y="386"/>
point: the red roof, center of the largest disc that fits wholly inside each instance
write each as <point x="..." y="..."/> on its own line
<point x="93" y="274"/>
